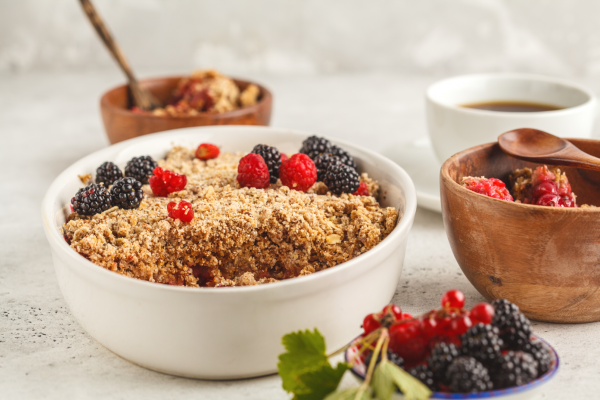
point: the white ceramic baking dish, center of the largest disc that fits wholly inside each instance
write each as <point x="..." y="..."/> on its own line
<point x="224" y="333"/>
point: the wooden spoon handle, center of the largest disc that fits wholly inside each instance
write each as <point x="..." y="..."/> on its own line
<point x="141" y="97"/>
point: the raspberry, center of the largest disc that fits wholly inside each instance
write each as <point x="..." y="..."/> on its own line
<point x="127" y="193"/>
<point x="490" y="187"/>
<point x="140" y="168"/>
<point x="298" y="173"/>
<point x="272" y="158"/>
<point x="207" y="151"/>
<point x="253" y="172"/>
<point x="92" y="199"/>
<point x="164" y="182"/>
<point x="362" y="190"/>
<point x="454" y="299"/>
<point x="108" y="173"/>
<point x="182" y="211"/>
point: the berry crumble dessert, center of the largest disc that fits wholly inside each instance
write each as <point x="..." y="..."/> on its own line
<point x="205" y="91"/>
<point x="200" y="217"/>
<point x="542" y="186"/>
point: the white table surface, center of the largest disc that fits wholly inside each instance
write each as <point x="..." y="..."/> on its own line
<point x="49" y="120"/>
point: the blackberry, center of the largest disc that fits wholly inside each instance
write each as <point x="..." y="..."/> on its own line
<point x="516" y="368"/>
<point x="467" y="375"/>
<point x="393" y="357"/>
<point x="140" y="168"/>
<point x="272" y="158"/>
<point x="322" y="162"/>
<point x="92" y="199"/>
<point x="127" y="193"/>
<point x="503" y="307"/>
<point x="108" y="173"/>
<point x="540" y="354"/>
<point x="425" y="375"/>
<point x="442" y="355"/>
<point x="344" y="156"/>
<point x="340" y="178"/>
<point x="515" y="330"/>
<point x="315" y="146"/>
<point x="483" y="344"/>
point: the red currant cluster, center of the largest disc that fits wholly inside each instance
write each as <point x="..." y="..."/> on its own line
<point x="163" y="182"/>
<point x="412" y="338"/>
<point x="550" y="190"/>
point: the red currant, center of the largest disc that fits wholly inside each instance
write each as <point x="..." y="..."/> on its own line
<point x="453" y="299"/>
<point x="429" y="325"/>
<point x="393" y="309"/>
<point x="549" y="200"/>
<point x="370" y="324"/>
<point x="406" y="316"/>
<point x="544" y="187"/>
<point x="482" y="312"/>
<point x="460" y="325"/>
<point x="408" y="342"/>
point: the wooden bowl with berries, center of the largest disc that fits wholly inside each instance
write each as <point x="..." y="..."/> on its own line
<point x="529" y="235"/>
<point x="247" y="103"/>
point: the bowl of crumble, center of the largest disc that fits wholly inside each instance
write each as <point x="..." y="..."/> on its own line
<point x="200" y="271"/>
<point x="205" y="97"/>
<point x="526" y="232"/>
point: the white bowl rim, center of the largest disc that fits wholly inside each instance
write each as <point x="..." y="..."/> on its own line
<point x="403" y="227"/>
<point x="498" y="393"/>
<point x="591" y="97"/>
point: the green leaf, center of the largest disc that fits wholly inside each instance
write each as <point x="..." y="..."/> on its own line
<point x="349" y="394"/>
<point x="411" y="387"/>
<point x="322" y="382"/>
<point x="305" y="353"/>
<point x="305" y="370"/>
<point x="382" y="382"/>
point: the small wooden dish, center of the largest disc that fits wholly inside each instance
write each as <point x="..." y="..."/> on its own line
<point x="121" y="124"/>
<point x="546" y="260"/>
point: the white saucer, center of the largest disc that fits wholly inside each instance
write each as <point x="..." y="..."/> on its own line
<point x="418" y="159"/>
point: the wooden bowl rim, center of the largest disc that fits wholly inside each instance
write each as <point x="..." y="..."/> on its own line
<point x="447" y="180"/>
<point x="266" y="97"/>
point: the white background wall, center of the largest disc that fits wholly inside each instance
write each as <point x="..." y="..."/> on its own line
<point x="436" y="37"/>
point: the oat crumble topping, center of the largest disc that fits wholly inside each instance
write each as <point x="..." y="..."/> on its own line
<point x="239" y="236"/>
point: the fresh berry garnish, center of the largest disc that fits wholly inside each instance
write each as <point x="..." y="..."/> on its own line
<point x="514" y="327"/>
<point x="272" y="158"/>
<point x="467" y="375"/>
<point x="92" y="199"/>
<point x="315" y="146"/>
<point x="460" y="324"/>
<point x="341" y="178"/>
<point x="406" y="316"/>
<point x="491" y="187"/>
<point x="483" y="343"/>
<point x="370" y="323"/>
<point x="164" y="182"/>
<point x="127" y="193"/>
<point x="140" y="168"/>
<point x="540" y="354"/>
<point x="515" y="368"/>
<point x="182" y="211"/>
<point x="298" y="173"/>
<point x="343" y="156"/>
<point x="362" y="190"/>
<point x="482" y="312"/>
<point x="393" y="310"/>
<point x="429" y="325"/>
<point x="108" y="173"/>
<point x="453" y="299"/>
<point x="207" y="151"/>
<point x="284" y="157"/>
<point x="253" y="172"/>
<point x="322" y="162"/>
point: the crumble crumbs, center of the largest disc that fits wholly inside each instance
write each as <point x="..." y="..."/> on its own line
<point x="239" y="236"/>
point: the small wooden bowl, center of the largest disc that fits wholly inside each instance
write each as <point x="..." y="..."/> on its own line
<point x="121" y="124"/>
<point x="545" y="260"/>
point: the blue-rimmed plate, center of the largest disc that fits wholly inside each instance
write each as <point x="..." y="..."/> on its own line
<point x="522" y="392"/>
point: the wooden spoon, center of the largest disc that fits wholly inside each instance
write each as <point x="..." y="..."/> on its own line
<point x="543" y="148"/>
<point x="142" y="98"/>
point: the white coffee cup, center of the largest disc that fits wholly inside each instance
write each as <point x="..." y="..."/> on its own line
<point x="453" y="128"/>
